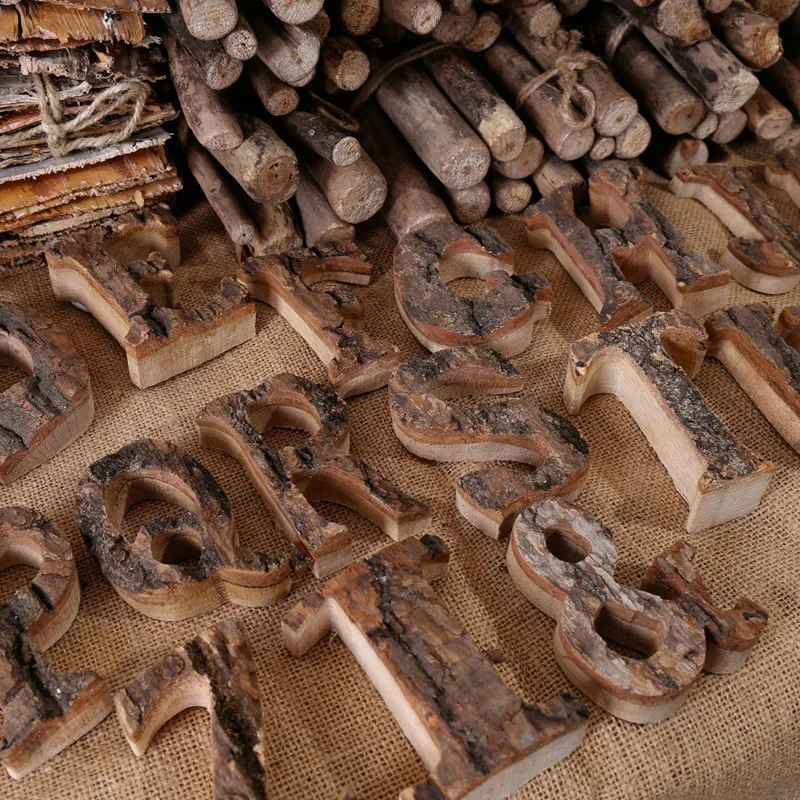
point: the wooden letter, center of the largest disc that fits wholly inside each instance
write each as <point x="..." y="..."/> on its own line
<point x="653" y="247"/>
<point x="180" y="566"/>
<point x="44" y="711"/>
<point x="427" y="260"/>
<point x="783" y="172"/>
<point x="330" y="322"/>
<point x="514" y="430"/>
<point x="730" y="635"/>
<point x="562" y="559"/>
<point x="214" y="670"/>
<point x="48" y="410"/>
<point x="648" y="366"/>
<point x="765" y="255"/>
<point x="586" y="255"/>
<point x="745" y="341"/>
<point x="111" y="272"/>
<point x="475" y="736"/>
<point x="322" y="469"/>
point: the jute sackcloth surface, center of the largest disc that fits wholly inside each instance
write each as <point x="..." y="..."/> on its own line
<point x="326" y="727"/>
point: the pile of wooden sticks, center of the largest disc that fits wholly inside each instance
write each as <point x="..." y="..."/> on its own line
<point x="82" y="101"/>
<point x="294" y="109"/>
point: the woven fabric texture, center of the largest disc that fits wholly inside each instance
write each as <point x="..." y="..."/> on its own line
<point x="326" y="727"/>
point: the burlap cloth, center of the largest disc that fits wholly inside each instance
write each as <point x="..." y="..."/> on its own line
<point x="326" y="727"/>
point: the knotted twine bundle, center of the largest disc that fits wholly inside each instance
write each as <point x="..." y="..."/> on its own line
<point x="111" y="100"/>
<point x="569" y="63"/>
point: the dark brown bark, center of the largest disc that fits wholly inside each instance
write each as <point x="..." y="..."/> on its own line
<point x="552" y="224"/>
<point x="156" y="339"/>
<point x="432" y="427"/>
<point x="477" y="727"/>
<point x="731" y="634"/>
<point x="580" y="591"/>
<point x="502" y="318"/>
<point x="180" y="566"/>
<point x="321" y="469"/>
<point x="322" y="137"/>
<point x="51" y="407"/>
<point x="356" y="362"/>
<point x="217" y="664"/>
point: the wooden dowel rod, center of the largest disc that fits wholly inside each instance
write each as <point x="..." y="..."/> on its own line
<point x="294" y="12"/>
<point x="221" y="196"/>
<point x="359" y="17"/>
<point x="355" y="192"/>
<point x="730" y="126"/>
<point x="417" y="16"/>
<point x="783" y="78"/>
<point x="290" y="51"/>
<point x="615" y="109"/>
<point x="672" y="104"/>
<point x="319" y="220"/>
<point x="277" y="229"/>
<point x="707" y="126"/>
<point x="554" y="174"/>
<point x="468" y="206"/>
<point x="539" y="19"/>
<point x="322" y="137"/>
<point x="241" y="42"/>
<point x="603" y="147"/>
<point x="206" y="112"/>
<point x="411" y="202"/>
<point x="209" y="19"/>
<point x="345" y="64"/>
<point x="755" y="38"/>
<point x="633" y="141"/>
<point x="721" y="80"/>
<point x="514" y="72"/>
<point x="277" y="97"/>
<point x="263" y="165"/>
<point x="766" y="117"/>
<point x="479" y="103"/>
<point x="525" y="163"/>
<point x="483" y="33"/>
<point x="452" y="27"/>
<point x="680" y="21"/>
<point x="433" y="128"/>
<point x="510" y="196"/>
<point x="213" y="64"/>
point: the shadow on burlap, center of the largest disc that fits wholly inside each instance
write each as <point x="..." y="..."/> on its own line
<point x="326" y="727"/>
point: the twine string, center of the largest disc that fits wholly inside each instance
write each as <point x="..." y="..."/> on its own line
<point x="57" y="132"/>
<point x="568" y="65"/>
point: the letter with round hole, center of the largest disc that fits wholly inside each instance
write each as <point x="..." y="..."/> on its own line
<point x="179" y="566"/>
<point x="562" y="559"/>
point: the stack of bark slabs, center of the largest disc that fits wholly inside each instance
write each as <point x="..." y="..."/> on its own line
<point x="82" y="104"/>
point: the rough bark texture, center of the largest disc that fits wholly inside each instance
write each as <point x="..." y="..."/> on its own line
<point x="618" y="200"/>
<point x="514" y="430"/>
<point x="355" y="361"/>
<point x="783" y="172"/>
<point x="765" y="366"/>
<point x="179" y="566"/>
<point x="552" y="224"/>
<point x="674" y="576"/>
<point x="723" y="189"/>
<point x="681" y="21"/>
<point x="48" y="410"/>
<point x="321" y="469"/>
<point x="322" y="137"/>
<point x="583" y="595"/>
<point x="426" y="260"/>
<point x="44" y="711"/>
<point x="649" y="347"/>
<point x="218" y="665"/>
<point x="755" y="38"/>
<point x="673" y="105"/>
<point x="45" y="607"/>
<point x="720" y="79"/>
<point x="478" y="728"/>
<point x="157" y="340"/>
